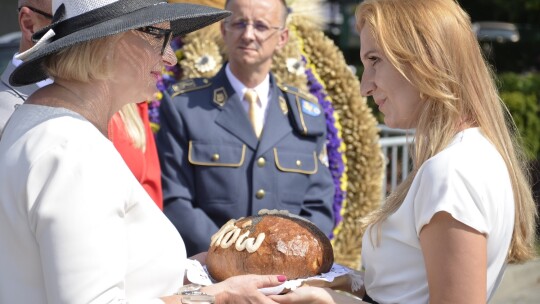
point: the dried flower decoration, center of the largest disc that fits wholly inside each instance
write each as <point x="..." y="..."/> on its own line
<point x="205" y="63"/>
<point x="201" y="59"/>
<point x="295" y="66"/>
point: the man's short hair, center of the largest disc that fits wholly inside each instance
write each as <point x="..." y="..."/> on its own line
<point x="285" y="9"/>
<point x="44" y="5"/>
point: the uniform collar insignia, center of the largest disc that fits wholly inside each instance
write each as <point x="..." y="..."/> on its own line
<point x="220" y="96"/>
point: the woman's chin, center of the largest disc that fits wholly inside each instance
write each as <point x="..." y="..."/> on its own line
<point x="388" y="122"/>
<point x="393" y="124"/>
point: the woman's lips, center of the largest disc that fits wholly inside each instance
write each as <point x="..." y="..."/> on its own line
<point x="155" y="75"/>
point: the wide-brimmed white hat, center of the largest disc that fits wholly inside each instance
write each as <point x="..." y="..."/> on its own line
<point x="76" y="21"/>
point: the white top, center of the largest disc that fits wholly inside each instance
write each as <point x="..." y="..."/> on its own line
<point x="75" y="225"/>
<point x="469" y="180"/>
<point x="262" y="89"/>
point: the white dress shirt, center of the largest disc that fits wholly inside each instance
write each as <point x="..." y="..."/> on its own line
<point x="262" y="89"/>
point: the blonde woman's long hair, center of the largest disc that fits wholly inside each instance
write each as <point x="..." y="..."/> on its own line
<point x="134" y="125"/>
<point x="431" y="43"/>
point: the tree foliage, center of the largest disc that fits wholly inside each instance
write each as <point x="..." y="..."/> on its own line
<point x="516" y="11"/>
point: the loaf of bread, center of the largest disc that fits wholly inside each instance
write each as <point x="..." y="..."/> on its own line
<point x="273" y="242"/>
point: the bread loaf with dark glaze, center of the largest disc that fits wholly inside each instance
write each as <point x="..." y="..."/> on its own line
<point x="272" y="242"/>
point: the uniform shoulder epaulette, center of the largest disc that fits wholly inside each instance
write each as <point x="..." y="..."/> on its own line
<point x="306" y="113"/>
<point x="188" y="85"/>
<point x="296" y="91"/>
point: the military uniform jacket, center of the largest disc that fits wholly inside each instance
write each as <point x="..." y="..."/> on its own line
<point x="11" y="97"/>
<point x="214" y="168"/>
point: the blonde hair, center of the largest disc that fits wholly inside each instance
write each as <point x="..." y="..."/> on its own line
<point x="134" y="125"/>
<point x="93" y="60"/>
<point x="85" y="61"/>
<point x="431" y="43"/>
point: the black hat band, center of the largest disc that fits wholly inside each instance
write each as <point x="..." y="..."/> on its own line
<point x="96" y="16"/>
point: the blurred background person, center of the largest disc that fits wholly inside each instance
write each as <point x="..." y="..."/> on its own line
<point x="33" y="16"/>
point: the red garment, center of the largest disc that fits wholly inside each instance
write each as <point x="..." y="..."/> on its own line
<point x="145" y="166"/>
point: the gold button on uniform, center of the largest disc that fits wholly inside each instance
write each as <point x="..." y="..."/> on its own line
<point x="215" y="157"/>
<point x="298" y="163"/>
<point x="261" y="162"/>
<point x="260" y="194"/>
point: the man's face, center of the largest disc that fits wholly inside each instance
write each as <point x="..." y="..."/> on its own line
<point x="253" y="32"/>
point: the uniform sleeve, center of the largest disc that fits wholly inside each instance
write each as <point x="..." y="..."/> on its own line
<point x="453" y="188"/>
<point x="77" y="213"/>
<point x="194" y="225"/>
<point x="319" y="199"/>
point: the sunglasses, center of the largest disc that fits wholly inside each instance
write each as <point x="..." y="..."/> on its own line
<point x="159" y="33"/>
<point x="35" y="10"/>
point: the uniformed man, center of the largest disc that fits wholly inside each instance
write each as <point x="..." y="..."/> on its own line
<point x="237" y="143"/>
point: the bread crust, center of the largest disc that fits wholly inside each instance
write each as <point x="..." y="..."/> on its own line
<point x="290" y="246"/>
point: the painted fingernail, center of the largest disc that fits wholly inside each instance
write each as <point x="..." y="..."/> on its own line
<point x="281" y="278"/>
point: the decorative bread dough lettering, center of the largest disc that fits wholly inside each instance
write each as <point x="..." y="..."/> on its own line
<point x="230" y="238"/>
<point x="251" y="246"/>
<point x="240" y="244"/>
<point x="230" y="234"/>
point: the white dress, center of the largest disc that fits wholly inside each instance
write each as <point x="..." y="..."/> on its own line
<point x="75" y="225"/>
<point x="470" y="181"/>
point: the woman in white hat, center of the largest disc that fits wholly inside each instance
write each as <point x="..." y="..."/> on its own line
<point x="75" y="225"/>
